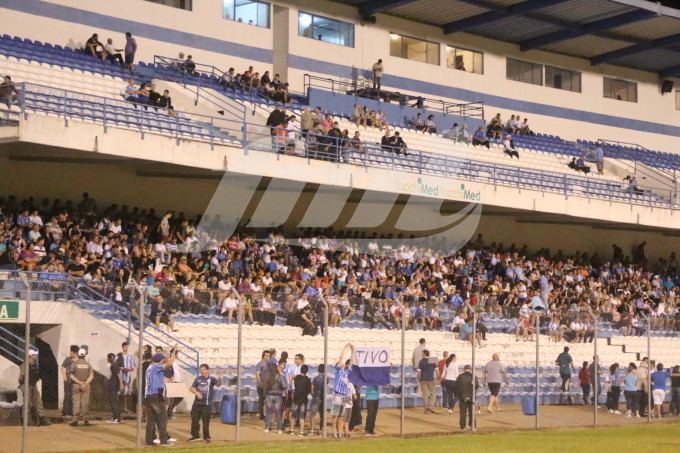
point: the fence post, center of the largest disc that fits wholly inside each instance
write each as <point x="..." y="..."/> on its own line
<point x="22" y="101"/>
<point x="538" y="369"/>
<point x="649" y="367"/>
<point x="239" y="358"/>
<point x="474" y="350"/>
<point x="26" y="388"/>
<point x="325" y="368"/>
<point x="140" y="394"/>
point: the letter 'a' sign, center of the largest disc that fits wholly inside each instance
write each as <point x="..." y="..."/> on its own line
<point x="371" y="366"/>
<point x="9" y="310"/>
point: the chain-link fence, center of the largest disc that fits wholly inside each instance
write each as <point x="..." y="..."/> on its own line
<point x="307" y="363"/>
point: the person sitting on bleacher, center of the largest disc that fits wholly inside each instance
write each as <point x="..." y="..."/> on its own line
<point x="453" y="132"/>
<point x="9" y="94"/>
<point x="509" y="147"/>
<point x="91" y="47"/>
<point x="189" y="66"/>
<point x="165" y="101"/>
<point x="417" y="122"/>
<point x="131" y="92"/>
<point x="380" y="120"/>
<point x="495" y="129"/>
<point x="633" y="185"/>
<point x="524" y="128"/>
<point x="512" y="125"/>
<point x="464" y="135"/>
<point x="480" y="138"/>
<point x="429" y="125"/>
<point x="111" y="53"/>
<point x="579" y="164"/>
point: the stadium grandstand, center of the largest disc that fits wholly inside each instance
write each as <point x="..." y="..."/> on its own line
<point x="417" y="186"/>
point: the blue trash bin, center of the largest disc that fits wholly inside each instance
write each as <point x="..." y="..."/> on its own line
<point x="529" y="405"/>
<point x="229" y="409"/>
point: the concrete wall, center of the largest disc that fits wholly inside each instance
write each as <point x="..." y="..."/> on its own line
<point x="652" y="122"/>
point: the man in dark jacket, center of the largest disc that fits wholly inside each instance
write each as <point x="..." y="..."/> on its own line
<point x="466" y="390"/>
<point x="275" y="118"/>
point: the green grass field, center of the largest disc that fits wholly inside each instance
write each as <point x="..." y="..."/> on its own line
<point x="642" y="438"/>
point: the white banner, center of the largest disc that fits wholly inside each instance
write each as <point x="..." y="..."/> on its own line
<point x="372" y="357"/>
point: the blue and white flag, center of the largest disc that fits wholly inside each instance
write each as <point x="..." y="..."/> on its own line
<point x="371" y="366"/>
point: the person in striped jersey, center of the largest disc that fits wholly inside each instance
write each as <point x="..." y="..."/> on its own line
<point x="126" y="363"/>
<point x="154" y="401"/>
<point x="342" y="396"/>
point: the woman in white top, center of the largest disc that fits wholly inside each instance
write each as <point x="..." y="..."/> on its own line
<point x="448" y="382"/>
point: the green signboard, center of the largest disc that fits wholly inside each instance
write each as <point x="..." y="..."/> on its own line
<point x="9" y="309"/>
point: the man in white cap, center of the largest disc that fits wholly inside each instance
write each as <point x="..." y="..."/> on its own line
<point x="35" y="403"/>
<point x="81" y="375"/>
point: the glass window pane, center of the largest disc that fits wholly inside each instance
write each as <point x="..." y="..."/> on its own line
<point x="523" y="71"/>
<point x="621" y="90"/>
<point x="325" y="29"/>
<point x="414" y="49"/>
<point x="181" y="4"/>
<point x="464" y="60"/>
<point x="247" y="11"/>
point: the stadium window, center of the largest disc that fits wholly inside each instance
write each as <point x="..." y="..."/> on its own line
<point x="414" y="49"/>
<point x="181" y="4"/>
<point x="621" y="90"/>
<point x="247" y="11"/>
<point x="562" y="79"/>
<point x="465" y="60"/>
<point x="523" y="71"/>
<point x="325" y="29"/>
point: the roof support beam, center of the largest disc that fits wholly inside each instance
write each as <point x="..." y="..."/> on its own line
<point x="666" y="41"/>
<point x="496" y="13"/>
<point x="673" y="71"/>
<point x="590" y="28"/>
<point x="380" y="6"/>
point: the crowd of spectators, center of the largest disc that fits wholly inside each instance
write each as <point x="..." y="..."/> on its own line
<point x="249" y="80"/>
<point x="189" y="270"/>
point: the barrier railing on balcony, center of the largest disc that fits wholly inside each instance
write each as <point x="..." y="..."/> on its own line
<point x="355" y="88"/>
<point x="220" y="131"/>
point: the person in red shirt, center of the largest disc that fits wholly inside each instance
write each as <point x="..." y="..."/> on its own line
<point x="584" y="377"/>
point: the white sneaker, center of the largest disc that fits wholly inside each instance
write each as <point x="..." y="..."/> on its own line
<point x="171" y="440"/>
<point x="637" y="415"/>
<point x="617" y="412"/>
<point x="280" y="431"/>
<point x="156" y="441"/>
<point x="627" y="415"/>
<point x="266" y="430"/>
<point x="610" y="411"/>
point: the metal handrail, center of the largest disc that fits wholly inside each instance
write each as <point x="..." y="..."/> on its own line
<point x="421" y="162"/>
<point x="470" y="109"/>
<point x="19" y="355"/>
<point x="74" y="288"/>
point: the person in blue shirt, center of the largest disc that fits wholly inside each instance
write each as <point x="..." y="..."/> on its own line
<point x="597" y="156"/>
<point x="614" y="393"/>
<point x="341" y="390"/>
<point x="203" y="387"/>
<point x="154" y="400"/>
<point x="630" y="391"/>
<point x="659" y="378"/>
<point x="480" y="138"/>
